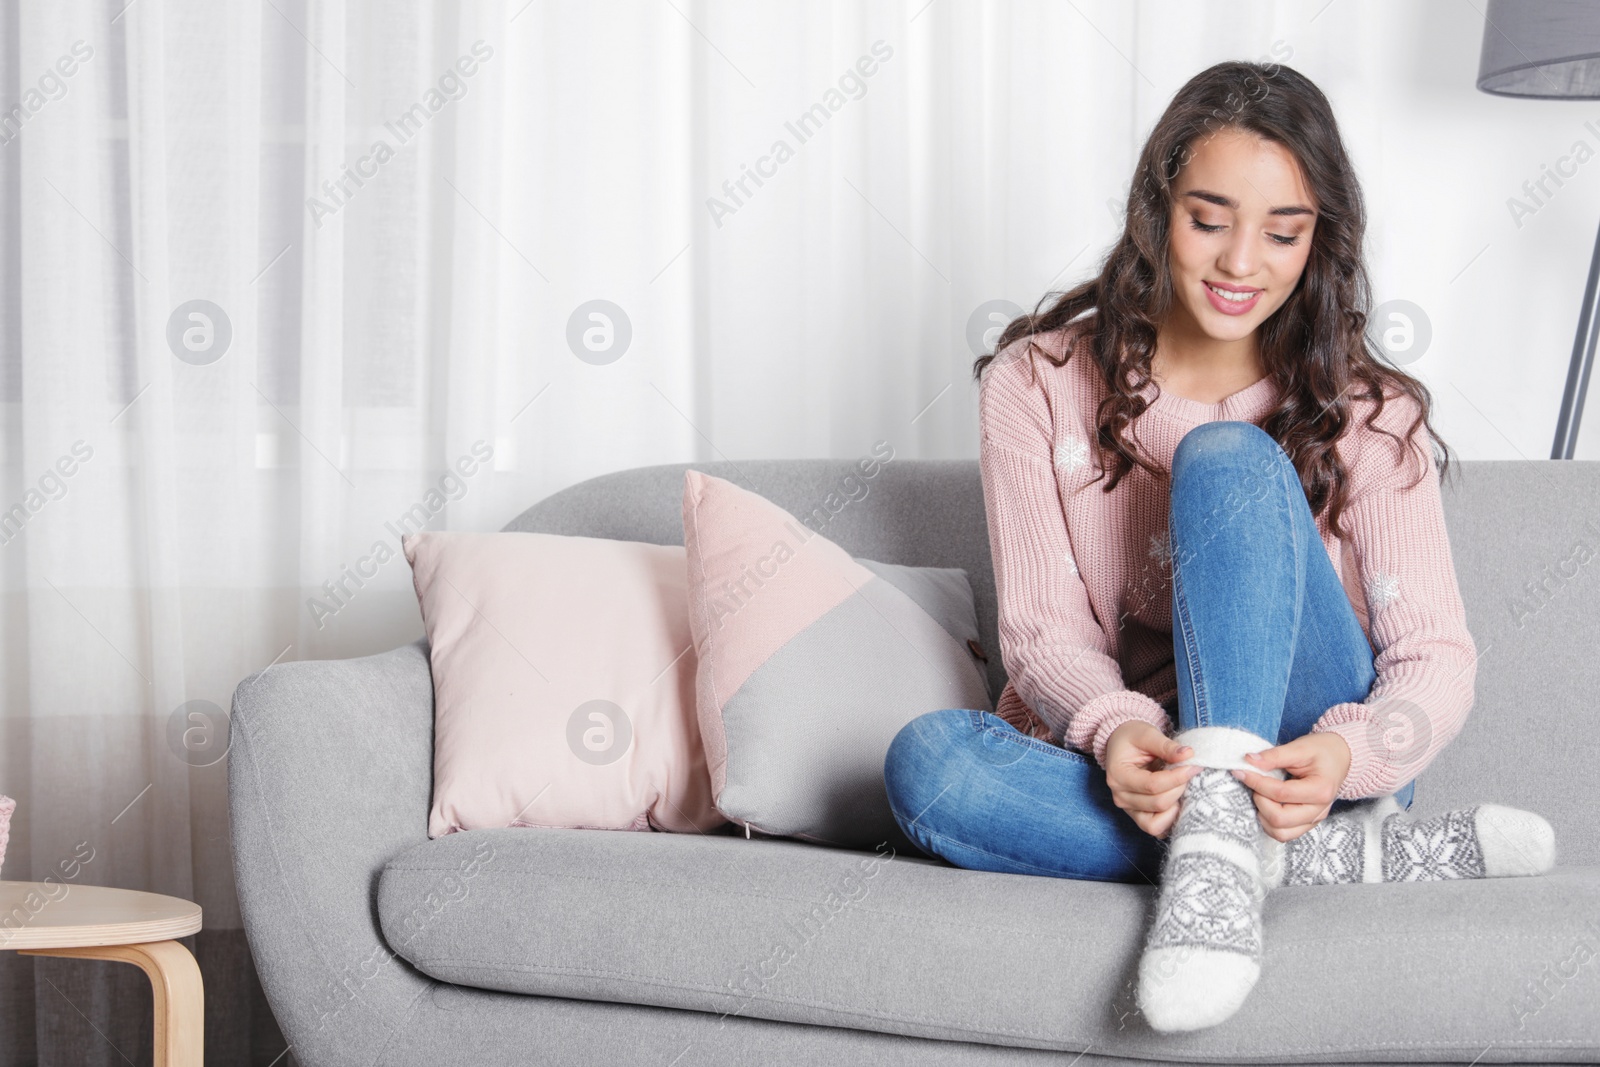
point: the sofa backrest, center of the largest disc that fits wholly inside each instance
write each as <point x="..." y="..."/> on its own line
<point x="1525" y="535"/>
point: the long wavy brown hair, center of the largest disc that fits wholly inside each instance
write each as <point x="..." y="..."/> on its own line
<point x="1315" y="345"/>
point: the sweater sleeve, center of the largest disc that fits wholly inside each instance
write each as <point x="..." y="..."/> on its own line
<point x="1055" y="651"/>
<point x="1426" y="660"/>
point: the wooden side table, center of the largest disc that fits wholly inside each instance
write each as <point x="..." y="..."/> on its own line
<point x="97" y="923"/>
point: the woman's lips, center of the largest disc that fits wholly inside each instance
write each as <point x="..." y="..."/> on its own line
<point x="1232" y="307"/>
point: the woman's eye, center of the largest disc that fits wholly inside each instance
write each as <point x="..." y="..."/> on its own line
<point x="1277" y="238"/>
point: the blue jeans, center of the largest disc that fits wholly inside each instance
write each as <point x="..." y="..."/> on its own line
<point x="1264" y="639"/>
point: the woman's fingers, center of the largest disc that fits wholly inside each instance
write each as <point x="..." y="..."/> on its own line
<point x="1171" y="751"/>
<point x="1285" y="822"/>
<point x="1285" y="791"/>
<point x="1151" y="802"/>
<point x="1263" y="785"/>
<point x="1287" y="756"/>
<point x="1163" y="781"/>
<point x="1288" y="834"/>
<point x="1155" y="823"/>
<point x="1160" y="823"/>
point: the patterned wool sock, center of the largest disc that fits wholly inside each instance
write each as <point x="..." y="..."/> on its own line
<point x="1372" y="841"/>
<point x="1203" y="954"/>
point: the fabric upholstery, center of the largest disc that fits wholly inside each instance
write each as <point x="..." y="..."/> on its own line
<point x="352" y="737"/>
<point x="781" y="930"/>
<point x="454" y="1026"/>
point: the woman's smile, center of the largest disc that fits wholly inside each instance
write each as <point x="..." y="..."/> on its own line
<point x="1232" y="299"/>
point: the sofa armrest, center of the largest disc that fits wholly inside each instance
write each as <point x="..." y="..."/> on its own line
<point x="330" y="774"/>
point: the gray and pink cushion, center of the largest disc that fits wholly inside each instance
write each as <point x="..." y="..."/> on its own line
<point x="810" y="661"/>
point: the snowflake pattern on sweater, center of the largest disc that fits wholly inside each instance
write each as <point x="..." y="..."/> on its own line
<point x="1072" y="454"/>
<point x="1382" y="590"/>
<point x="1161" y="549"/>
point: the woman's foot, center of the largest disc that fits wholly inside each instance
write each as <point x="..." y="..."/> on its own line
<point x="1374" y="842"/>
<point x="1203" y="954"/>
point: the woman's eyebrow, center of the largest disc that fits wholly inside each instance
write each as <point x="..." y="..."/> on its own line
<point x="1229" y="202"/>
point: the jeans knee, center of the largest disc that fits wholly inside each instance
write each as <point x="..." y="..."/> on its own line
<point x="919" y="751"/>
<point x="1251" y="467"/>
<point x="1227" y="441"/>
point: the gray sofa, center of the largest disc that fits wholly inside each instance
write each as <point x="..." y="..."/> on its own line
<point x="376" y="945"/>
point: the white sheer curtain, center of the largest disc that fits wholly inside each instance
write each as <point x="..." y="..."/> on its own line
<point x="399" y="215"/>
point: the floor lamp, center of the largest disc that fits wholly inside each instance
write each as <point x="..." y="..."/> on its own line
<point x="1550" y="50"/>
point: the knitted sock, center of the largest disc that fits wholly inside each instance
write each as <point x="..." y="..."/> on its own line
<point x="1372" y="841"/>
<point x="1203" y="954"/>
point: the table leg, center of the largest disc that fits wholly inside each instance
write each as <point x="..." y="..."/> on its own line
<point x="174" y="984"/>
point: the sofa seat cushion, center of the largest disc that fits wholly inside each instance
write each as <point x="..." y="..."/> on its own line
<point x="1420" y="972"/>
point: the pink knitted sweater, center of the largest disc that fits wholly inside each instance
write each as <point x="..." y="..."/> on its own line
<point x="1084" y="576"/>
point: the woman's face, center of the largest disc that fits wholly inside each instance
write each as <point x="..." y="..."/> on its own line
<point x="1242" y="220"/>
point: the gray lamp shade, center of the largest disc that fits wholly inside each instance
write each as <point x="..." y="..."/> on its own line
<point x="1550" y="49"/>
<point x="1541" y="48"/>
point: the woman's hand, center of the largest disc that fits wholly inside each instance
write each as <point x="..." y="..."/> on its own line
<point x="1137" y="755"/>
<point x="1317" y="764"/>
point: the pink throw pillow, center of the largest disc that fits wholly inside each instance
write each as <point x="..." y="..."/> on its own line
<point x="564" y="683"/>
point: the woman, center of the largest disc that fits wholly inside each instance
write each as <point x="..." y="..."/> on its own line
<point x="1227" y="603"/>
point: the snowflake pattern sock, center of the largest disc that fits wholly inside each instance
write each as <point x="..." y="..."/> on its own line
<point x="1203" y="953"/>
<point x="1372" y="841"/>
